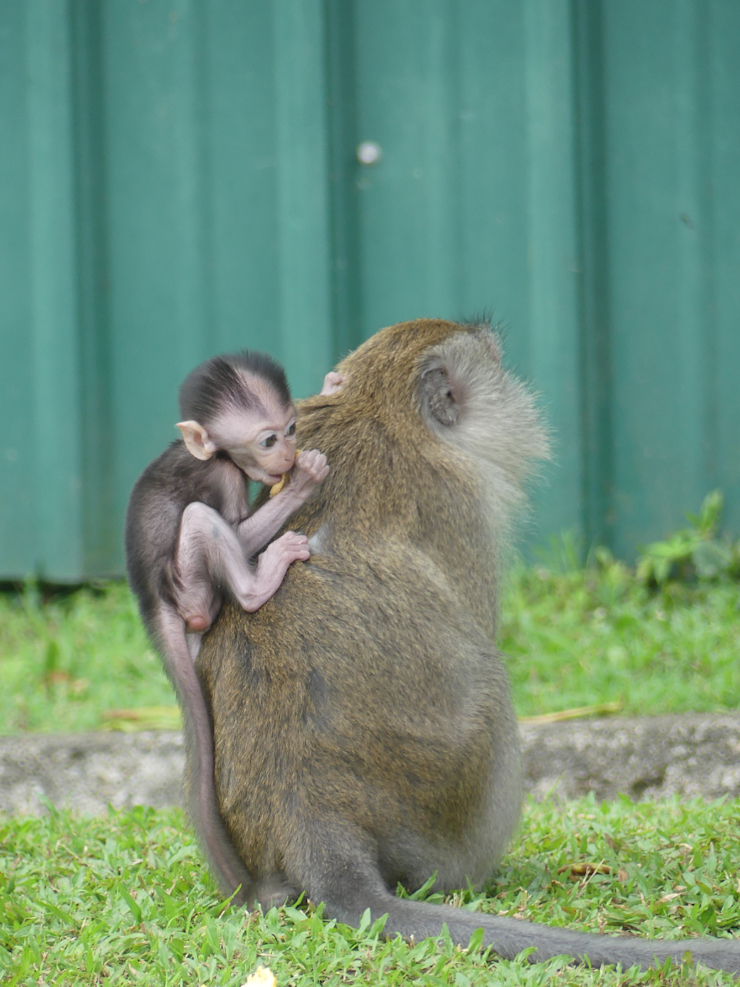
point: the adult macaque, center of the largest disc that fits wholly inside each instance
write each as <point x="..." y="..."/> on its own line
<point x="363" y="729"/>
<point x="190" y="533"/>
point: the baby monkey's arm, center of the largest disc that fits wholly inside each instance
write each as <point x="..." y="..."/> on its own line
<point x="310" y="469"/>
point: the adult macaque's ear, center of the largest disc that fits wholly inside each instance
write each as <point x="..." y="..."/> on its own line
<point x="439" y="393"/>
<point x="197" y="439"/>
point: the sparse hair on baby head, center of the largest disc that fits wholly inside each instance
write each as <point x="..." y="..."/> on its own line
<point x="224" y="381"/>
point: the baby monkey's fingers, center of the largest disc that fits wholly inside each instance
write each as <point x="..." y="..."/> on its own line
<point x="313" y="463"/>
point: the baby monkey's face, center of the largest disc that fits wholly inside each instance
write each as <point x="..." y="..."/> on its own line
<point x="261" y="443"/>
<point x="263" y="446"/>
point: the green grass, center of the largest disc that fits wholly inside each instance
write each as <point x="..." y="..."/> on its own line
<point x="574" y="638"/>
<point x="598" y="635"/>
<point x="66" y="661"/>
<point x="127" y="899"/>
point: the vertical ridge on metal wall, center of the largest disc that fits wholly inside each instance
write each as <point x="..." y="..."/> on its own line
<point x="724" y="84"/>
<point x="595" y="337"/>
<point x="695" y="324"/>
<point x="193" y="311"/>
<point x="18" y="541"/>
<point x="304" y="266"/>
<point x="54" y="316"/>
<point x="553" y="250"/>
<point x="97" y="430"/>
<point x="343" y="201"/>
<point x="441" y="163"/>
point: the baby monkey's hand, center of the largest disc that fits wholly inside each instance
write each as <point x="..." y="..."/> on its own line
<point x="311" y="469"/>
<point x="333" y="382"/>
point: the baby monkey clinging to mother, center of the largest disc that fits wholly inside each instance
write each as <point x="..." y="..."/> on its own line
<point x="190" y="533"/>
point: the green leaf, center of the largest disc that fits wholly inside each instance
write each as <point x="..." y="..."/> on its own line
<point x="365" y="922"/>
<point x="133" y="907"/>
<point x="64" y="916"/>
<point x="51" y="657"/>
<point x="476" y="940"/>
<point x="212" y="935"/>
<point x="709" y="514"/>
<point x="421" y="893"/>
<point x="711" y="559"/>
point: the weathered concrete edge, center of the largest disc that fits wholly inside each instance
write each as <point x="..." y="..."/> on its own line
<point x="689" y="754"/>
<point x="651" y="757"/>
<point x="87" y="772"/>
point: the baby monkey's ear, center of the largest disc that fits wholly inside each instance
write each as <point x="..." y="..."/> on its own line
<point x="197" y="440"/>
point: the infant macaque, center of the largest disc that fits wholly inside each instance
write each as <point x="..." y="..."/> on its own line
<point x="189" y="531"/>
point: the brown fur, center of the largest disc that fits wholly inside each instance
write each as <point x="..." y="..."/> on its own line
<point x="363" y="728"/>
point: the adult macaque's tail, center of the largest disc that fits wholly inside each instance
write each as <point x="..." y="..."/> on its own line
<point x="508" y="937"/>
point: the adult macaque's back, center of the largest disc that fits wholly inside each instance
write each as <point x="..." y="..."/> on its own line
<point x="364" y="733"/>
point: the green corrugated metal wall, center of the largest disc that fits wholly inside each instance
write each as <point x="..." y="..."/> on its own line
<point x="179" y="178"/>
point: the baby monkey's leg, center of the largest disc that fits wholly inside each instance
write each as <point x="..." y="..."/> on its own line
<point x="210" y="557"/>
<point x="203" y="559"/>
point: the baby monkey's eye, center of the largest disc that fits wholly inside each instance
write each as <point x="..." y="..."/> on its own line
<point x="269" y="441"/>
<point x="290" y="430"/>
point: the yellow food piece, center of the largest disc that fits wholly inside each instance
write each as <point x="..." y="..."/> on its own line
<point x="262" y="977"/>
<point x="277" y="487"/>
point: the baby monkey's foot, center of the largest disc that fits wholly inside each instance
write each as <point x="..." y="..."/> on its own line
<point x="290" y="547"/>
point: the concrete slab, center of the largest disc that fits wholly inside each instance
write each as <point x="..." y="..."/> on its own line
<point x="646" y="758"/>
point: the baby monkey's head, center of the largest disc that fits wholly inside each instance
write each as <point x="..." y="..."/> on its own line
<point x="240" y="406"/>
